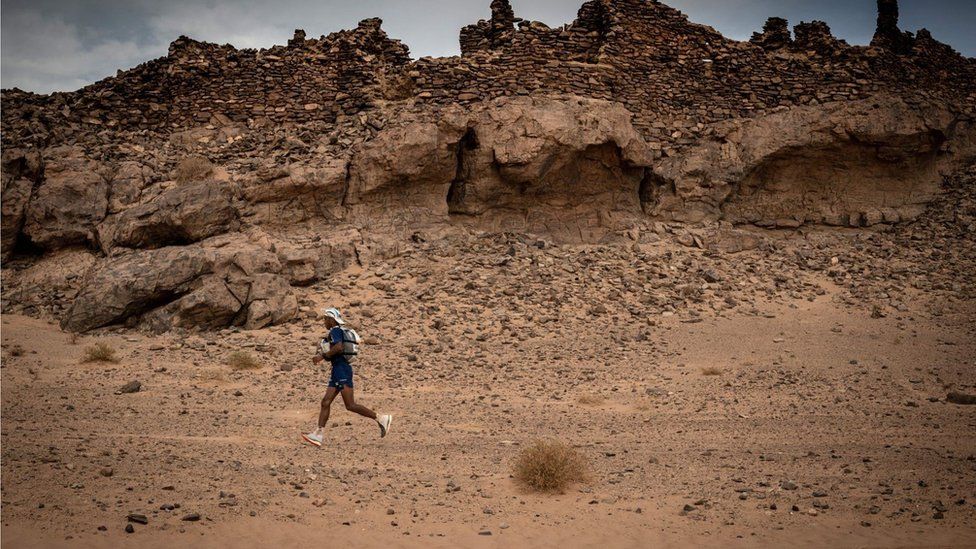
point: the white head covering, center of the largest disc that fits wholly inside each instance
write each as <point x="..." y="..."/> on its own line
<point x="334" y="314"/>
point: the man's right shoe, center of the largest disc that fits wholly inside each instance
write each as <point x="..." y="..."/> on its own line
<point x="384" y="420"/>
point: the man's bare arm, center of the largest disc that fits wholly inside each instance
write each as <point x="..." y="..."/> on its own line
<point x="334" y="350"/>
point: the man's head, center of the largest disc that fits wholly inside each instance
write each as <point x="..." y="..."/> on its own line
<point x="333" y="317"/>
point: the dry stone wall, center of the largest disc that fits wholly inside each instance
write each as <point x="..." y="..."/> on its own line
<point x="677" y="77"/>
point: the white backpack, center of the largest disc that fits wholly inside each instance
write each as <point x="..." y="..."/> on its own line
<point x="350" y="344"/>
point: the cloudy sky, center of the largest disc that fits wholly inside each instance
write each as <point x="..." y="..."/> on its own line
<point x="60" y="45"/>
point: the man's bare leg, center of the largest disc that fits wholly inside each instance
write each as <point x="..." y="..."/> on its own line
<point x="350" y="401"/>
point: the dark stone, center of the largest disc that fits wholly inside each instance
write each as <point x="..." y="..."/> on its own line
<point x="130" y="387"/>
<point x="961" y="398"/>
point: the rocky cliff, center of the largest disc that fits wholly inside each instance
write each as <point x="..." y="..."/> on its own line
<point x="199" y="189"/>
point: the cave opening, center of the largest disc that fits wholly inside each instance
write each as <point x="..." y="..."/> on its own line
<point x="652" y="187"/>
<point x="462" y="172"/>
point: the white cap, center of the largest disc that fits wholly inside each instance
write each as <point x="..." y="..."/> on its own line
<point x="334" y="314"/>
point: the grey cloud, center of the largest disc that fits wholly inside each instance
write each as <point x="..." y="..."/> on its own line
<point x="52" y="45"/>
<point x="42" y="53"/>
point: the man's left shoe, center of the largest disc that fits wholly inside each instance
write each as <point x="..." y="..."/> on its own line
<point x="384" y="420"/>
<point x="313" y="439"/>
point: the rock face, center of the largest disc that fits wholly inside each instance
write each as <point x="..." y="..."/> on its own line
<point x="534" y="164"/>
<point x="193" y="191"/>
<point x="68" y="203"/>
<point x="856" y="164"/>
<point x="278" y="196"/>
<point x="21" y="171"/>
<point x="179" y="215"/>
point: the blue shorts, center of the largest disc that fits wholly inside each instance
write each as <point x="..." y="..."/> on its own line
<point x="341" y="376"/>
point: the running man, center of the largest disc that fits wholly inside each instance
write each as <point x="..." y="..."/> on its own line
<point x="341" y="381"/>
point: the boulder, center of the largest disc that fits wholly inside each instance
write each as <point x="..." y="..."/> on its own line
<point x="126" y="185"/>
<point x="731" y="241"/>
<point x="128" y="285"/>
<point x="308" y="263"/>
<point x="70" y="201"/>
<point x="179" y="215"/>
<point x="279" y="196"/>
<point x="210" y="306"/>
<point x="223" y="281"/>
<point x="270" y="300"/>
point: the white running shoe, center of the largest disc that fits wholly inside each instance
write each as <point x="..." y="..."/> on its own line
<point x="313" y="439"/>
<point x="384" y="420"/>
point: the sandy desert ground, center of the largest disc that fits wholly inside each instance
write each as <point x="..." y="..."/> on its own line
<point x="765" y="411"/>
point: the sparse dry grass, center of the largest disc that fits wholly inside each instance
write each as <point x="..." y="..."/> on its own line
<point x="240" y="360"/>
<point x="212" y="374"/>
<point x="192" y="168"/>
<point x="711" y="371"/>
<point x="591" y="400"/>
<point x="549" y="466"/>
<point x="73" y="338"/>
<point x="100" y="352"/>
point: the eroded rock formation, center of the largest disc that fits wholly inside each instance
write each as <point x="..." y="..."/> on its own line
<point x="330" y="151"/>
<point x="855" y="163"/>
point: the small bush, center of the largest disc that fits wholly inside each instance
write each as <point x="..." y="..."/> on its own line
<point x="16" y="350"/>
<point x="192" y="168"/>
<point x="549" y="466"/>
<point x="592" y="400"/>
<point x="100" y="352"/>
<point x="215" y="374"/>
<point x="239" y="360"/>
<point x="712" y="371"/>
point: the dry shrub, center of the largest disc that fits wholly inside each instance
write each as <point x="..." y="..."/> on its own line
<point x="712" y="371"/>
<point x="100" y="352"/>
<point x="549" y="466"/>
<point x="239" y="360"/>
<point x="16" y="350"/>
<point x="592" y="400"/>
<point x="192" y="168"/>
<point x="214" y="374"/>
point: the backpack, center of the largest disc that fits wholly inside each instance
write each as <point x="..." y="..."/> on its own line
<point x="350" y="344"/>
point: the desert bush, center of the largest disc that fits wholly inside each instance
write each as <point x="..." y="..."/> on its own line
<point x="549" y="466"/>
<point x="239" y="360"/>
<point x="192" y="168"/>
<point x="711" y="371"/>
<point x="592" y="400"/>
<point x="212" y="374"/>
<point x="100" y="352"/>
<point x="16" y="350"/>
